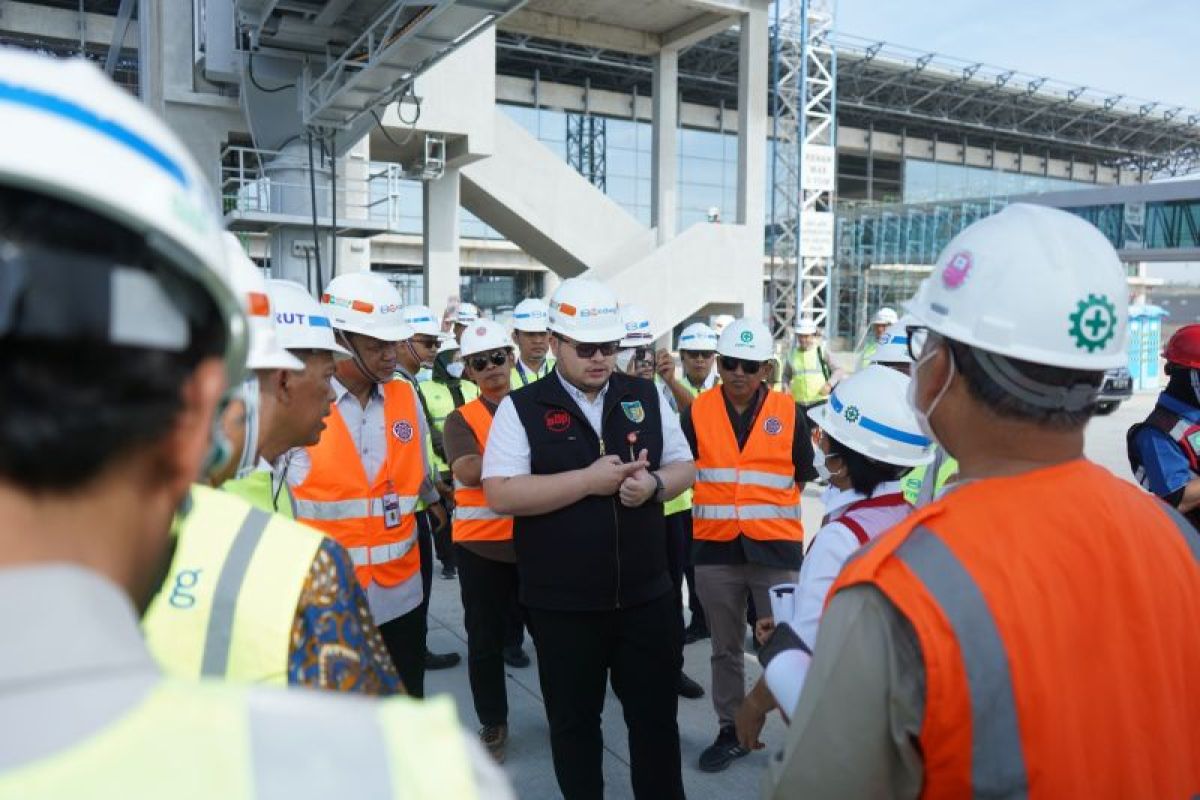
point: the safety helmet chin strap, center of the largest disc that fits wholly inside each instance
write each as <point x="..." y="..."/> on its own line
<point x="413" y="352"/>
<point x="345" y="342"/>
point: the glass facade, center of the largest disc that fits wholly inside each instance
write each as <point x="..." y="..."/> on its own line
<point x="934" y="182"/>
<point x="495" y="291"/>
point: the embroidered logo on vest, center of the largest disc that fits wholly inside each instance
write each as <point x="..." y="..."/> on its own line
<point x="402" y="430"/>
<point x="772" y="426"/>
<point x="557" y="421"/>
<point x="634" y="411"/>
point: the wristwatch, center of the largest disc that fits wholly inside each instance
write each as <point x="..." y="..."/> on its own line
<point x="658" y="487"/>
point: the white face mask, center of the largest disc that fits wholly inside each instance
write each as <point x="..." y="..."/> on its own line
<point x="923" y="415"/>
<point x="455" y="369"/>
<point x="819" y="463"/>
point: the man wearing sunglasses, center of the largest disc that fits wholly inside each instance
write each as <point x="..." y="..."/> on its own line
<point x="753" y="456"/>
<point x="1033" y="632"/>
<point x="583" y="460"/>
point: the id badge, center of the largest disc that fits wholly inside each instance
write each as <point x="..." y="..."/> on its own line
<point x="391" y="510"/>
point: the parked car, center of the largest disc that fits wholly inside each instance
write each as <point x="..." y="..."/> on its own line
<point x="1116" y="389"/>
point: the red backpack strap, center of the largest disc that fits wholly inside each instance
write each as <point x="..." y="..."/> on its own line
<point x="1178" y="429"/>
<point x="855" y="528"/>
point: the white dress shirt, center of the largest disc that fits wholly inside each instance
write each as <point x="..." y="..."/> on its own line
<point x="507" y="451"/>
<point x="830" y="549"/>
<point x="367" y="430"/>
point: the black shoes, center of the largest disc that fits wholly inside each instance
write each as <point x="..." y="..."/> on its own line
<point x="449" y="572"/>
<point x="495" y="739"/>
<point x="515" y="656"/>
<point x="694" y="633"/>
<point x="688" y="688"/>
<point x="721" y="753"/>
<point x="441" y="660"/>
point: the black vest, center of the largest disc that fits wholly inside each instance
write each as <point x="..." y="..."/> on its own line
<point x="594" y="554"/>
<point x="1163" y="419"/>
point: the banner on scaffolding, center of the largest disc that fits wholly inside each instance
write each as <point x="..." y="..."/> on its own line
<point x="818" y="171"/>
<point x="816" y="234"/>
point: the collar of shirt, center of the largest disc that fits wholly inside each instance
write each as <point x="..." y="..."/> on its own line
<point x="1176" y="406"/>
<point x="42" y="608"/>
<point x="835" y="500"/>
<point x="341" y="392"/>
<point x="593" y="410"/>
<point x="522" y="367"/>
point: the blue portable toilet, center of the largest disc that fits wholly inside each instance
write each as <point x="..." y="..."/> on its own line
<point x="1145" y="346"/>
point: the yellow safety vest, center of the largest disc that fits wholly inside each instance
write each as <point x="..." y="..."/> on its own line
<point x="197" y="740"/>
<point x="229" y="602"/>
<point x="864" y="358"/>
<point x="258" y="490"/>
<point x="684" y="501"/>
<point x="922" y="487"/>
<point x="522" y="377"/>
<point x="808" y="376"/>
<point x="440" y="402"/>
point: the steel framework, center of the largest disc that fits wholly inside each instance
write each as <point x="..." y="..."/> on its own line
<point x="587" y="145"/>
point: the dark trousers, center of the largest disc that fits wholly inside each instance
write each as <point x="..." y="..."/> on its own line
<point x="514" y="624"/>
<point x="638" y="649"/>
<point x="442" y="544"/>
<point x="488" y="588"/>
<point x="404" y="638"/>
<point x="425" y="544"/>
<point x="679" y="562"/>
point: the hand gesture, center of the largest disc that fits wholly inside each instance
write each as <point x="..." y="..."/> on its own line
<point x="607" y="473"/>
<point x="640" y="486"/>
<point x="664" y="365"/>
<point x="763" y="628"/>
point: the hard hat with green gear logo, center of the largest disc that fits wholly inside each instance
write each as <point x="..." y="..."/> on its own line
<point x="1030" y="283"/>
<point x="868" y="413"/>
<point x="747" y="339"/>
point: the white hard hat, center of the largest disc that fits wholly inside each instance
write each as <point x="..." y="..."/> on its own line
<point x="698" y="337"/>
<point x="869" y="413"/>
<point x="531" y="315"/>
<point x="885" y="316"/>
<point x="421" y="320"/>
<point x="446" y="343"/>
<point x="637" y="326"/>
<point x="300" y="322"/>
<point x="248" y="281"/>
<point x="69" y="133"/>
<point x="466" y="314"/>
<point x="483" y="336"/>
<point x="366" y="303"/>
<point x="806" y="327"/>
<point x="586" y="311"/>
<point x="748" y="339"/>
<point x="893" y="345"/>
<point x="1031" y="283"/>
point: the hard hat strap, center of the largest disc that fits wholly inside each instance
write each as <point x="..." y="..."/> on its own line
<point x="345" y="342"/>
<point x="1036" y="393"/>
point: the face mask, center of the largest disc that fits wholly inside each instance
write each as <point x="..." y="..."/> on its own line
<point x="455" y="369"/>
<point x="819" y="463"/>
<point x="923" y="415"/>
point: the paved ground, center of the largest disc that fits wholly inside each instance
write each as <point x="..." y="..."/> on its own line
<point x="529" y="765"/>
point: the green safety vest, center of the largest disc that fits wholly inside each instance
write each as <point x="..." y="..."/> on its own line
<point x="925" y="483"/>
<point x="684" y="501"/>
<point x="439" y="401"/>
<point x="188" y="740"/>
<point x="257" y="490"/>
<point x="809" y="375"/>
<point x="521" y="378"/>
<point x="868" y="352"/>
<point x="229" y="602"/>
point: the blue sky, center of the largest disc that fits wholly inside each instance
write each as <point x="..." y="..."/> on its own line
<point x="1144" y="48"/>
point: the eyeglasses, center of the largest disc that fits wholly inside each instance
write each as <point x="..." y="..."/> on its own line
<point x="918" y="337"/>
<point x="496" y="358"/>
<point x="704" y="355"/>
<point x="589" y="349"/>
<point x="643" y="355"/>
<point x="748" y="367"/>
<point x="427" y="341"/>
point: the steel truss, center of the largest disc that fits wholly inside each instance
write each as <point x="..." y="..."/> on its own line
<point x="587" y="145"/>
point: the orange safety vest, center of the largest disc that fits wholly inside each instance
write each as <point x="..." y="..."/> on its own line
<point x="338" y="498"/>
<point x="473" y="520"/>
<point x="1056" y="615"/>
<point x="751" y="491"/>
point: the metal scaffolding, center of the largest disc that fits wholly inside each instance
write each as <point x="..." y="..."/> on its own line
<point x="586" y="147"/>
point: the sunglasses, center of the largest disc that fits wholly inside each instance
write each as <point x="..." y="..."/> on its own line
<point x="427" y="341"/>
<point x="701" y="354"/>
<point x="643" y="355"/>
<point x="589" y="349"/>
<point x="496" y="358"/>
<point x="748" y="367"/>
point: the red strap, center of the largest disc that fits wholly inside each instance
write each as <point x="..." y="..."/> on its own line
<point x="882" y="501"/>
<point x="855" y="528"/>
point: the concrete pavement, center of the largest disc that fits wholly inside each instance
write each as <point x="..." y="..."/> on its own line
<point x="529" y="764"/>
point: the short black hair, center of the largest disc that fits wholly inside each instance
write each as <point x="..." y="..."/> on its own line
<point x="865" y="473"/>
<point x="1004" y="403"/>
<point x="69" y="409"/>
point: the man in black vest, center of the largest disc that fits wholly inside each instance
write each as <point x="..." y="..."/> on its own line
<point x="583" y="461"/>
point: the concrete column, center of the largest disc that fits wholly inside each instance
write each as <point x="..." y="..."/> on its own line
<point x="354" y="255"/>
<point x="550" y="282"/>
<point x="441" y="243"/>
<point x="753" y="49"/>
<point x="664" y="157"/>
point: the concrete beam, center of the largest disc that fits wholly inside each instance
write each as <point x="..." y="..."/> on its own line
<point x="582" y="32"/>
<point x="697" y="30"/>
<point x="30" y="19"/>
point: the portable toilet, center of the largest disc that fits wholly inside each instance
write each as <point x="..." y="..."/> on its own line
<point x="1145" y="346"/>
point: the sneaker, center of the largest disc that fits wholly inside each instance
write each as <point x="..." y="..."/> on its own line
<point x="721" y="753"/>
<point x="449" y="572"/>
<point x="441" y="660"/>
<point x="495" y="739"/>
<point x="515" y="656"/>
<point x="694" y="633"/>
<point x="688" y="688"/>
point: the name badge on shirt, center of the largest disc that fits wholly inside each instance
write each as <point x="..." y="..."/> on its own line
<point x="391" y="510"/>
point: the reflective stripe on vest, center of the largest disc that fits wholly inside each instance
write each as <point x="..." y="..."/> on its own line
<point x="229" y="602"/>
<point x="236" y="744"/>
<point x="473" y="520"/>
<point x="751" y="491"/>
<point x="338" y="498"/>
